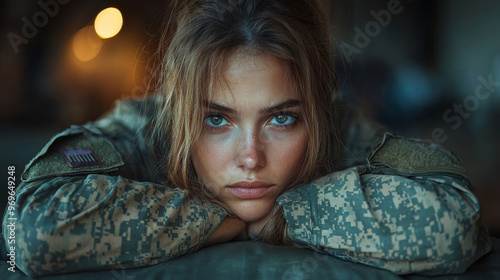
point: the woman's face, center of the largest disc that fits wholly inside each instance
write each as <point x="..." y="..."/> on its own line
<point x="255" y="139"/>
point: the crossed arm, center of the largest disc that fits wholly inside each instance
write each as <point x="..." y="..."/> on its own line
<point x="406" y="225"/>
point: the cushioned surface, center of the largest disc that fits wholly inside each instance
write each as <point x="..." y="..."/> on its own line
<point x="252" y="260"/>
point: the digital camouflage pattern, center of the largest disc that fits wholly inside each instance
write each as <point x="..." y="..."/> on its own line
<point x="425" y="224"/>
<point x="122" y="214"/>
<point x="118" y="214"/>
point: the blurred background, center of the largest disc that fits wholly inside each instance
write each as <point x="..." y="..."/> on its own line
<point x="426" y="69"/>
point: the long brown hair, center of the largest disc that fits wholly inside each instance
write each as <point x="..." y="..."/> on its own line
<point x="199" y="39"/>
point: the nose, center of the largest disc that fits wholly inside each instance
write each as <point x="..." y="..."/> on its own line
<point x="251" y="154"/>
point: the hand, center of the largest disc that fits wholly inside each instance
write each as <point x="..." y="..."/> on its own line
<point x="230" y="229"/>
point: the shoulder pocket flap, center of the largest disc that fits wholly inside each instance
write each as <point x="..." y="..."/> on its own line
<point x="73" y="153"/>
<point x="414" y="157"/>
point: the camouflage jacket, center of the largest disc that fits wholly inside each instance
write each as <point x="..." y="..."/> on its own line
<point x="94" y="198"/>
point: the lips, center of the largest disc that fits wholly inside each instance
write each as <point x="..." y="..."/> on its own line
<point x="250" y="189"/>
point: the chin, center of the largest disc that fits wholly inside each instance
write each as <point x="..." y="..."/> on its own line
<point x="252" y="211"/>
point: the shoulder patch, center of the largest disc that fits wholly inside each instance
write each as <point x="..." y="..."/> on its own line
<point x="414" y="157"/>
<point x="80" y="157"/>
<point x="71" y="154"/>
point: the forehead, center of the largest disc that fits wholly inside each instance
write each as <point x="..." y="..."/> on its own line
<point x="251" y="79"/>
<point x="249" y="62"/>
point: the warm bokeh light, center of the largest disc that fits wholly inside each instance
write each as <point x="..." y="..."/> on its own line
<point x="86" y="44"/>
<point x="108" y="23"/>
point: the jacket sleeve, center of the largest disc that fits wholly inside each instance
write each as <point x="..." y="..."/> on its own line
<point x="410" y="210"/>
<point x="92" y="217"/>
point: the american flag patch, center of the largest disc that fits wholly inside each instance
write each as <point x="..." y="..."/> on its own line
<point x="80" y="157"/>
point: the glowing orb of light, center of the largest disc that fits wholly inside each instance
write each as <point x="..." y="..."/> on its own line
<point x="108" y="23"/>
<point x="86" y="44"/>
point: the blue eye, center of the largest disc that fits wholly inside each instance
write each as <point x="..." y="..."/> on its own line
<point x="283" y="119"/>
<point x="216" y="121"/>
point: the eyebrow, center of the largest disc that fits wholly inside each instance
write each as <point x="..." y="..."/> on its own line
<point x="281" y="106"/>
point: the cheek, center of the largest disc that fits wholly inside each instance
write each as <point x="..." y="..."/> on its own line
<point x="289" y="155"/>
<point x="210" y="160"/>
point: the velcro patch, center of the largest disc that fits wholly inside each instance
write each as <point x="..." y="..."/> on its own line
<point x="80" y="157"/>
<point x="69" y="154"/>
<point x="414" y="157"/>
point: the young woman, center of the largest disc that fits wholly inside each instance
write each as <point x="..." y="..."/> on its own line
<point x="243" y="140"/>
